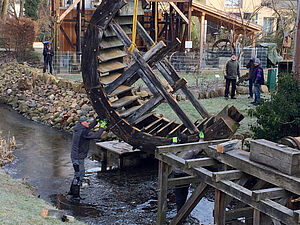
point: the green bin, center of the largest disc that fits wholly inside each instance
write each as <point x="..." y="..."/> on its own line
<point x="271" y="82"/>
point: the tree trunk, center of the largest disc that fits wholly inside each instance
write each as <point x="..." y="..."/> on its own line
<point x="3" y="9"/>
<point x="21" y="8"/>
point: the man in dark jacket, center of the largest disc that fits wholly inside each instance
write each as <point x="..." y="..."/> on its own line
<point x="251" y="66"/>
<point x="82" y="134"/>
<point x="232" y="73"/>
<point x="48" y="54"/>
<point x="258" y="80"/>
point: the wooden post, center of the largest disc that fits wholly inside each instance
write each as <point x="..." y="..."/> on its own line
<point x="162" y="192"/>
<point x="219" y="209"/>
<point x="189" y="18"/>
<point x="296" y="63"/>
<point x="104" y="160"/>
<point x="256" y="217"/>
<point x="202" y="22"/>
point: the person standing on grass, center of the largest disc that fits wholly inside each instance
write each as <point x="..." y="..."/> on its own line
<point x="258" y="80"/>
<point x="251" y="66"/>
<point x="48" y="55"/>
<point x="232" y="73"/>
<point x="82" y="134"/>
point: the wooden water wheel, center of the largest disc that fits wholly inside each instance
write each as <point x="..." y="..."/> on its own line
<point x="109" y="85"/>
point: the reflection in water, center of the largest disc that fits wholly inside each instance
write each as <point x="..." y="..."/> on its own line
<point x="113" y="197"/>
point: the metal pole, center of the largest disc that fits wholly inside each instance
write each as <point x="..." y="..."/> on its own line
<point x="296" y="62"/>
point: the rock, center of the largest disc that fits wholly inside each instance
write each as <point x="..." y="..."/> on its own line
<point x="221" y="91"/>
<point x="70" y="119"/>
<point x="32" y="105"/>
<point x="9" y="91"/>
<point x="51" y="97"/>
<point x="242" y="90"/>
<point x="264" y="89"/>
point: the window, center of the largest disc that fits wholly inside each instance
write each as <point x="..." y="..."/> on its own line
<point x="233" y="3"/>
<point x="250" y="17"/>
<point x="268" y="25"/>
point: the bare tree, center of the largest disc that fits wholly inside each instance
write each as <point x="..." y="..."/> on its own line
<point x="3" y="9"/>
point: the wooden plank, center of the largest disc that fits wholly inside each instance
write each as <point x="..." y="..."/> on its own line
<point x="69" y="9"/>
<point x="129" y="111"/>
<point x="278" y="156"/>
<point x="126" y="100"/>
<point x="162" y="192"/>
<point x="200" y="162"/>
<point x="154" y="80"/>
<point x="178" y="181"/>
<point x="143" y="117"/>
<point x="165" y="128"/>
<point x="112" y="42"/>
<point x="146" y="107"/>
<point x="229" y="146"/>
<point x="121" y="89"/>
<point x="227" y="175"/>
<point x="269" y="207"/>
<point x="109" y="78"/>
<point x="186" y="20"/>
<point x="117" y="147"/>
<point x="240" y="160"/>
<point x="256" y="217"/>
<point x="110" y="54"/>
<point x="219" y="208"/>
<point x="153" y="124"/>
<point x="111" y="66"/>
<point x="269" y="193"/>
<point x="233" y="214"/>
<point x="108" y="33"/>
<point x="190" y="204"/>
<point x="188" y="146"/>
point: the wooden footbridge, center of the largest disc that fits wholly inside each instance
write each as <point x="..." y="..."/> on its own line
<point x="264" y="183"/>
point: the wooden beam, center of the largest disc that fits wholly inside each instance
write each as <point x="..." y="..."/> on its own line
<point x="186" y="20"/>
<point x="65" y="13"/>
<point x="190" y="204"/>
<point x="200" y="162"/>
<point x="181" y="181"/>
<point x="154" y="80"/>
<point x="147" y="107"/>
<point x="233" y="214"/>
<point x="219" y="209"/>
<point x="257" y="217"/>
<point x="134" y="68"/>
<point x="269" y="207"/>
<point x="162" y="192"/>
<point x="227" y="175"/>
<point x="188" y="146"/>
<point x="189" y="30"/>
<point x="170" y="73"/>
<point x="66" y="36"/>
<point x="202" y="21"/>
<point x="239" y="159"/>
<point x="269" y="193"/>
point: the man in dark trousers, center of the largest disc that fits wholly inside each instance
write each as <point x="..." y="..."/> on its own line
<point x="48" y="54"/>
<point x="250" y="66"/>
<point x="258" y="80"/>
<point x="82" y="134"/>
<point x="232" y="73"/>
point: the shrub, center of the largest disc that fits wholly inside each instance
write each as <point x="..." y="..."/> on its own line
<point x="279" y="116"/>
<point x="21" y="32"/>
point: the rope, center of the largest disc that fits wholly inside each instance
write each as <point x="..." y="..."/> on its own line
<point x="156" y="23"/>
<point x="134" y="25"/>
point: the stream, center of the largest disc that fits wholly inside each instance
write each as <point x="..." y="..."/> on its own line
<point x="42" y="159"/>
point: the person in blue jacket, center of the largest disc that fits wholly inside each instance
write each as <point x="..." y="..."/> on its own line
<point x="82" y="134"/>
<point x="48" y="56"/>
<point x="258" y="80"/>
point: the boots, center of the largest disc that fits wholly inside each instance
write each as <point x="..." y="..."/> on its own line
<point x="74" y="191"/>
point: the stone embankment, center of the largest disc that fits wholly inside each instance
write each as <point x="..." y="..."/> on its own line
<point x="43" y="97"/>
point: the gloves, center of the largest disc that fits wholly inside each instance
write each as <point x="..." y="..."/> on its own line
<point x="201" y="135"/>
<point x="98" y="118"/>
<point x="103" y="123"/>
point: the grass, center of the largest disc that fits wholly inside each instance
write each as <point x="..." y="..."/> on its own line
<point x="18" y="205"/>
<point x="213" y="106"/>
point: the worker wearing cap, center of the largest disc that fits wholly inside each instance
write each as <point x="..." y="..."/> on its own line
<point x="82" y="134"/>
<point x="258" y="80"/>
<point x="232" y="73"/>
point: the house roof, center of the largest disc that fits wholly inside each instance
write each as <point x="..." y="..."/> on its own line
<point x="225" y="19"/>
